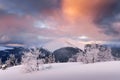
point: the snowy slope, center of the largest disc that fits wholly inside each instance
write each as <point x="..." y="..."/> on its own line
<point x="67" y="71"/>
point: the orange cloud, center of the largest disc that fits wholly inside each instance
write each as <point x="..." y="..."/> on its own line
<point x="79" y="16"/>
<point x="74" y="9"/>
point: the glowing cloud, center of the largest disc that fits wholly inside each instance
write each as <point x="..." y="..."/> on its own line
<point x="75" y="9"/>
<point x="31" y="21"/>
<point x="83" y="37"/>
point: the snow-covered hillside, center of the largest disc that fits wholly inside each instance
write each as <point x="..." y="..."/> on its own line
<point x="67" y="71"/>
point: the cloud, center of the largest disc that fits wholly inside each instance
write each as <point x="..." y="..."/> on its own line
<point x="30" y="6"/>
<point x="25" y="21"/>
<point x="15" y="45"/>
<point x="92" y="18"/>
<point x="83" y="8"/>
<point x="111" y="26"/>
<point x="83" y="37"/>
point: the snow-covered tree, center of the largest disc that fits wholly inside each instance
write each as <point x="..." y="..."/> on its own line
<point x="31" y="61"/>
<point x="91" y="53"/>
<point x="104" y="55"/>
<point x="97" y="53"/>
<point x="10" y="61"/>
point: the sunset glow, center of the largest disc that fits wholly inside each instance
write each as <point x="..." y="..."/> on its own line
<point x="96" y="19"/>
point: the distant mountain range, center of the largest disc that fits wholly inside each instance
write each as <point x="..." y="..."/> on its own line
<point x="55" y="45"/>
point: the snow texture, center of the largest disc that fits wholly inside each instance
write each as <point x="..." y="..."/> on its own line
<point x="66" y="71"/>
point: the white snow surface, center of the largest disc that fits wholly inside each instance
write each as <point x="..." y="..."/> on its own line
<point x="67" y="71"/>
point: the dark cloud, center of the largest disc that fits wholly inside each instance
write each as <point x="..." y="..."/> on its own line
<point x="3" y="13"/>
<point x="107" y="17"/>
<point x="109" y="30"/>
<point x="107" y="10"/>
<point x="30" y="6"/>
<point x="108" y="26"/>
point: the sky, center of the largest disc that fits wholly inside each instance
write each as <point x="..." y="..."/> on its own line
<point x="32" y="22"/>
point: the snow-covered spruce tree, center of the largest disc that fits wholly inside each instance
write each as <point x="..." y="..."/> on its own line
<point x="104" y="54"/>
<point x="31" y="61"/>
<point x="91" y="52"/>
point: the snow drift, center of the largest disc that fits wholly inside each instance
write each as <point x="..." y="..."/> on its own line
<point x="67" y="71"/>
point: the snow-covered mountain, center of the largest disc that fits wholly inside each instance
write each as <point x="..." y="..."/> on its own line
<point x="63" y="42"/>
<point x="67" y="71"/>
<point x="67" y="42"/>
